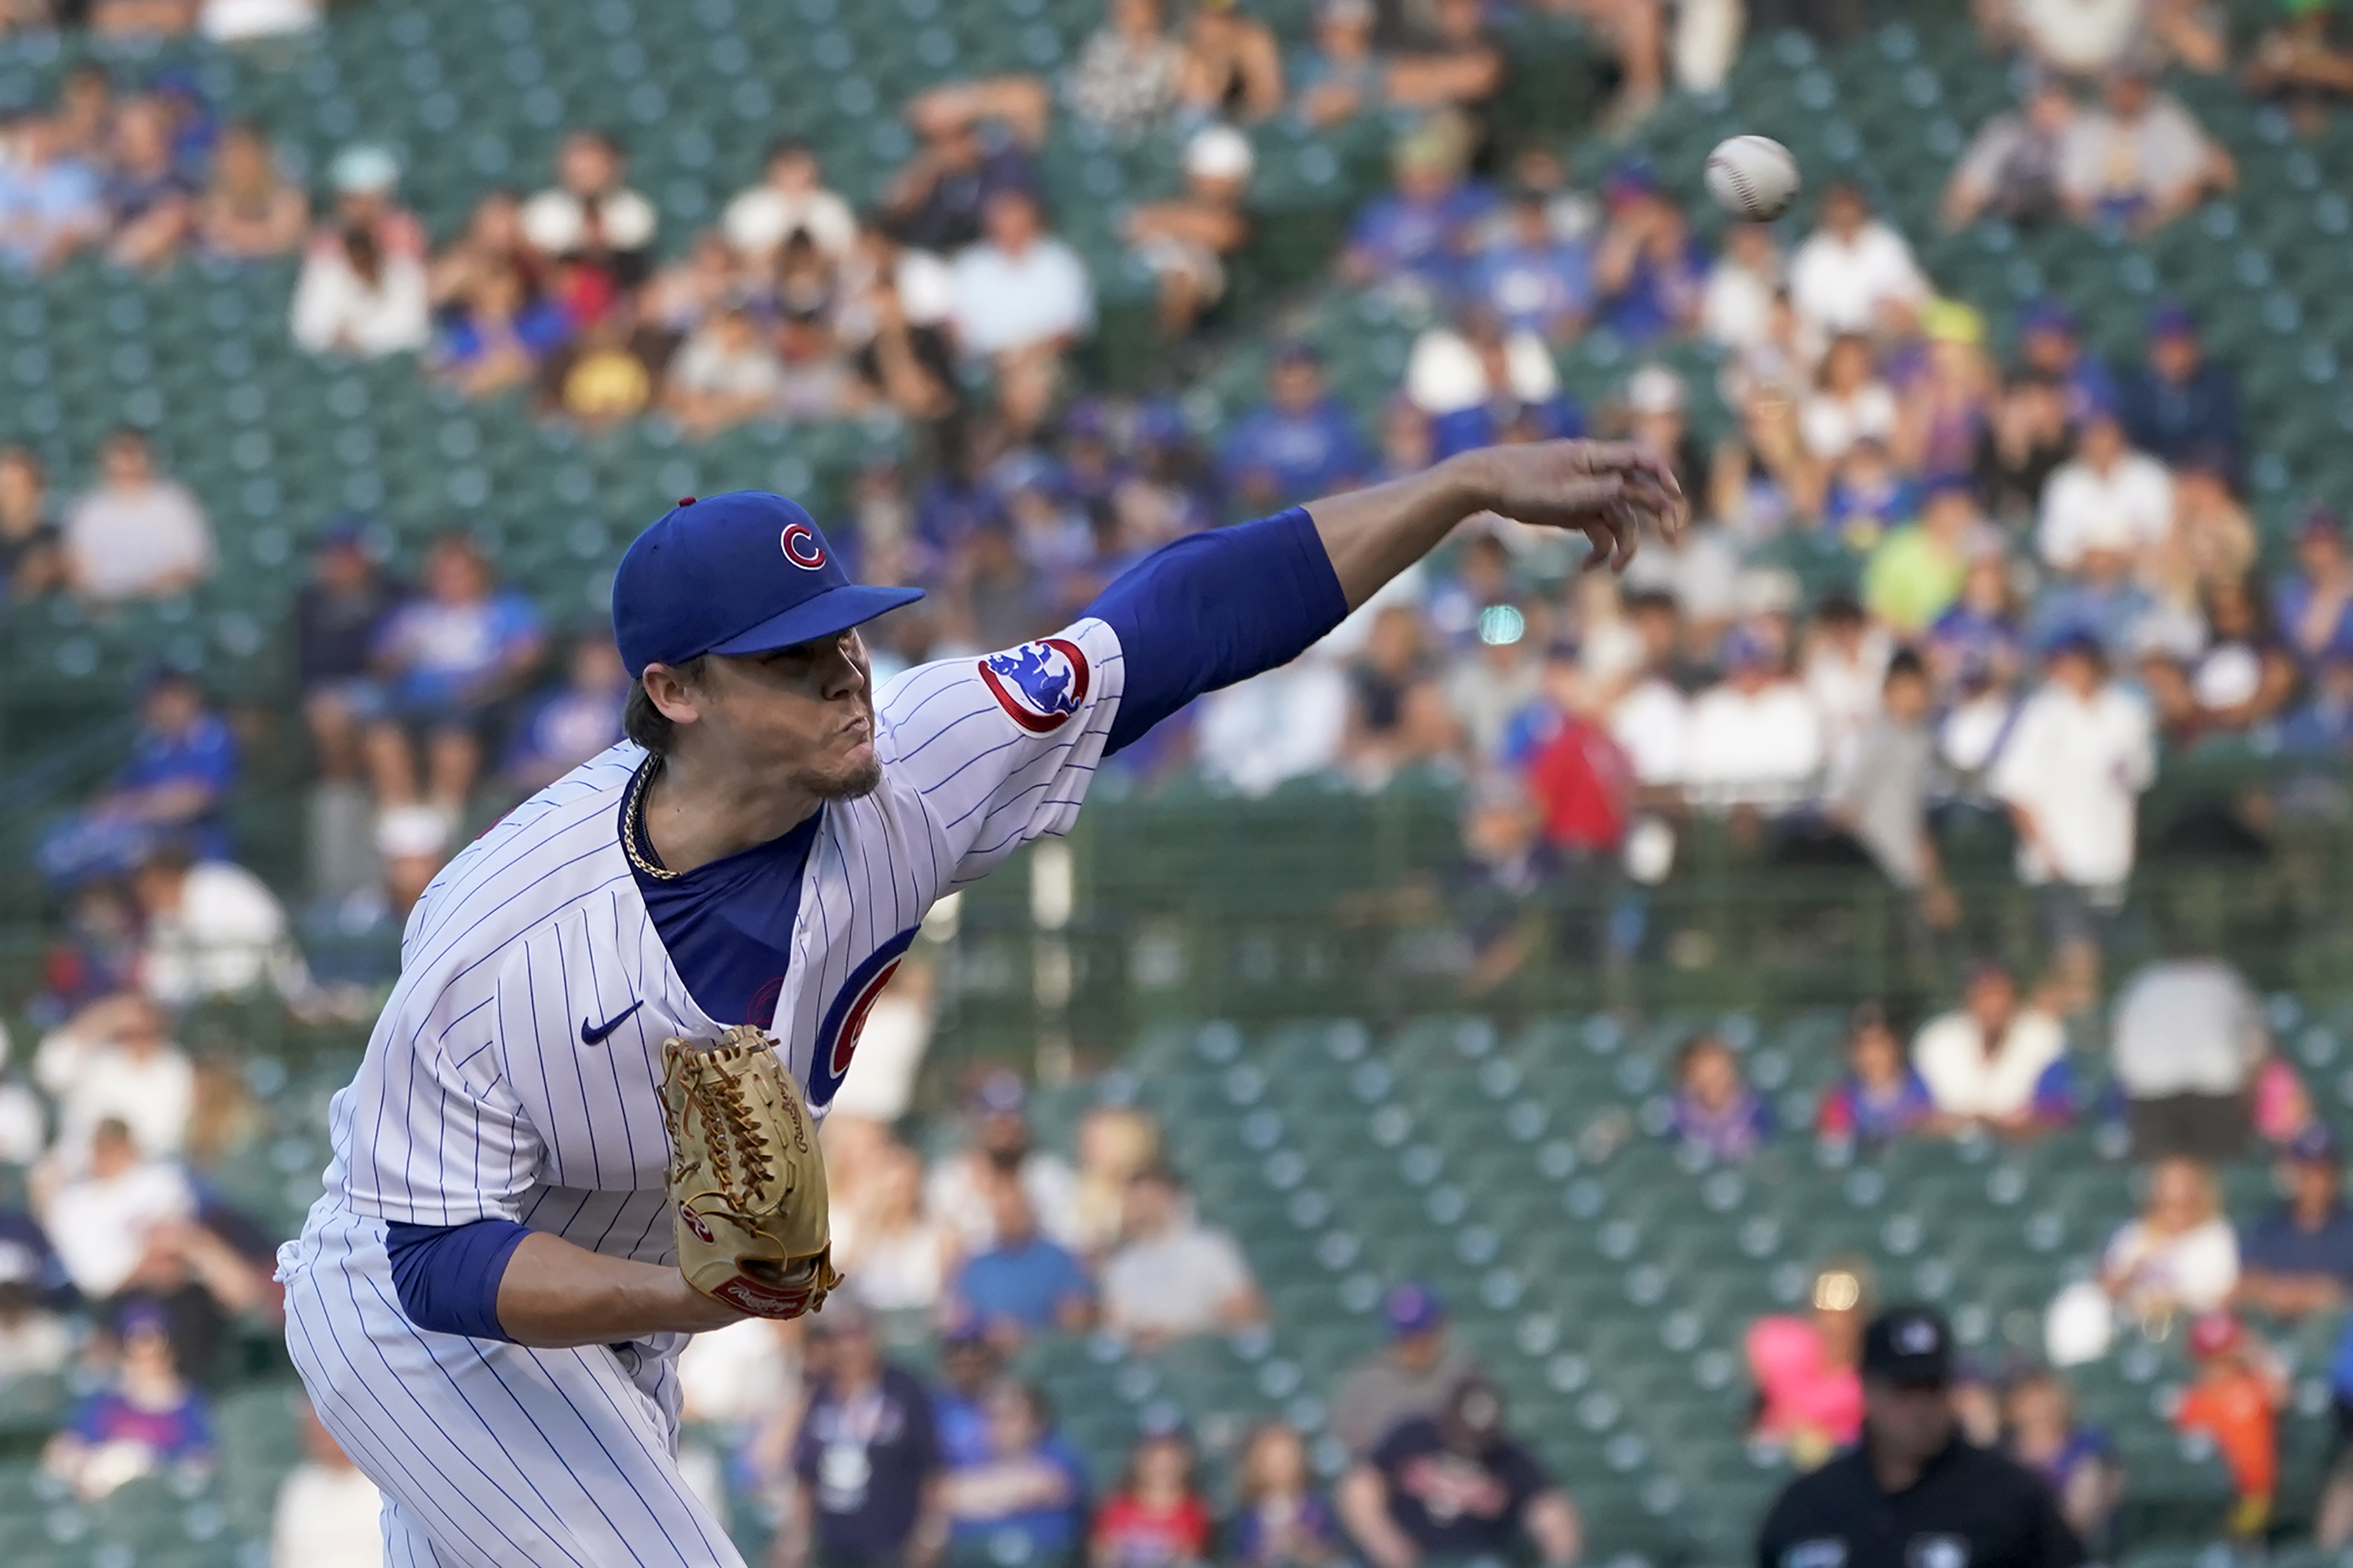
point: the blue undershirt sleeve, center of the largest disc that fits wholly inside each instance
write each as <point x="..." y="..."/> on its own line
<point x="447" y="1274"/>
<point x="1214" y="608"/>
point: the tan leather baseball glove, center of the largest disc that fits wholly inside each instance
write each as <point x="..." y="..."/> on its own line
<point x="746" y="1177"/>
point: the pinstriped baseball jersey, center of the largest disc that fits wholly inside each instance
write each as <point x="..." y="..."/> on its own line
<point x="514" y="1074"/>
<point x="491" y="1087"/>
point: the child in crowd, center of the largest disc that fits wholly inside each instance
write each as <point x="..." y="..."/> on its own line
<point x="2041" y="1431"/>
<point x="2236" y="1399"/>
<point x="1280" y="1521"/>
<point x="1880" y="1097"/>
<point x="1716" y="1112"/>
<point x="1157" y="1518"/>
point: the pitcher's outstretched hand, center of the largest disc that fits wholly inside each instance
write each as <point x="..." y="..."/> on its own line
<point x="1606" y="490"/>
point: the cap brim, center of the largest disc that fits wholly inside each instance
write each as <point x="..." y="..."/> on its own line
<point x="830" y="614"/>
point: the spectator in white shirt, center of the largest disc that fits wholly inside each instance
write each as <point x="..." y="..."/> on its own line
<point x="2080" y="37"/>
<point x="1287" y="723"/>
<point x="1737" y="308"/>
<point x="1022" y="298"/>
<point x="103" y="1223"/>
<point x="115" y="1060"/>
<point x="590" y="214"/>
<point x="2108" y="497"/>
<point x="214" y="929"/>
<point x="1991" y="1062"/>
<point x="2071" y="773"/>
<point x="352" y="298"/>
<point x="1171" y="1277"/>
<point x="2010" y="168"/>
<point x="790" y="199"/>
<point x="2186" y="1039"/>
<point x="2181" y="1256"/>
<point x="136" y="535"/>
<point x="724" y="375"/>
<point x="2138" y="159"/>
<point x="328" y="1513"/>
<point x="2091" y="38"/>
<point x="241" y="21"/>
<point x="1754" y="738"/>
<point x="1849" y="403"/>
<point x="34" y="1340"/>
<point x="1854" y="274"/>
<point x="957" y="1191"/>
<point x="1842" y="665"/>
<point x="902" y="1254"/>
<point x="1651" y="723"/>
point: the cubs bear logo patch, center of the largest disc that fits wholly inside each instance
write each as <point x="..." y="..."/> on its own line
<point x="1039" y="684"/>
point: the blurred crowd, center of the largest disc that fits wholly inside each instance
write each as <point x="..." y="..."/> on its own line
<point x="2190" y="1084"/>
<point x="1941" y="574"/>
<point x="2230" y="1291"/>
<point x="1001" y="1247"/>
<point x="1935" y="568"/>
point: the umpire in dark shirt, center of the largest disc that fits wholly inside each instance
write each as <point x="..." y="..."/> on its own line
<point x="1913" y="1492"/>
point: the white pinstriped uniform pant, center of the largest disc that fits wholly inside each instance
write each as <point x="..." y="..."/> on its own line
<point x="490" y="1454"/>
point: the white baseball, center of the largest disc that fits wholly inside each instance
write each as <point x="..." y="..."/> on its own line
<point x="1752" y="177"/>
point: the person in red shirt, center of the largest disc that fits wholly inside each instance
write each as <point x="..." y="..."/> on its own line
<point x="1157" y="1518"/>
<point x="2236" y="1401"/>
<point x="1580" y="777"/>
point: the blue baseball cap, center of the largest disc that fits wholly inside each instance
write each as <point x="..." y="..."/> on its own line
<point x="747" y="572"/>
<point x="2315" y="1145"/>
<point x="1413" y="1308"/>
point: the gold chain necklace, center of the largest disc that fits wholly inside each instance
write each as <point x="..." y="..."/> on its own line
<point x="633" y="823"/>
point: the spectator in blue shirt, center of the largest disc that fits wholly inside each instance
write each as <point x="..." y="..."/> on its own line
<point x="147" y="1418"/>
<point x="499" y="334"/>
<point x="2323" y="726"/>
<point x="2049" y="345"/>
<point x="2102" y="602"/>
<point x="2298" y="1258"/>
<point x="1297" y="444"/>
<point x="867" y="1457"/>
<point x="337" y="613"/>
<point x="1023" y="1284"/>
<point x="151" y="205"/>
<point x="1025" y="1500"/>
<point x="181" y="763"/>
<point x="1480" y="384"/>
<point x="573" y="723"/>
<point x="449" y="659"/>
<point x="1649" y="270"/>
<point x="2181" y="401"/>
<point x="1716" y="1112"/>
<point x="1869" y="497"/>
<point x="2312" y="605"/>
<point x="1881" y="1096"/>
<point x="50" y="201"/>
<point x="1418" y="230"/>
<point x="1533" y="279"/>
<point x="936" y="200"/>
<point x="970" y="1371"/>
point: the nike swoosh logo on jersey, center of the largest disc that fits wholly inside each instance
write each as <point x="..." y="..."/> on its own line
<point x="595" y="1035"/>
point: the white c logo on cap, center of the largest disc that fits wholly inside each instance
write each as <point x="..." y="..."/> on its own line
<point x="802" y="546"/>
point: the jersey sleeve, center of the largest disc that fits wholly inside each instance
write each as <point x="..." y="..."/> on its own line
<point x="1001" y="748"/>
<point x="449" y="1137"/>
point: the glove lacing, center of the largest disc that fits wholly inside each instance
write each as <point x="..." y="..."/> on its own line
<point x="741" y="1140"/>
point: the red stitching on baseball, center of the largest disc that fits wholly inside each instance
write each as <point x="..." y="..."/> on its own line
<point x="1748" y="203"/>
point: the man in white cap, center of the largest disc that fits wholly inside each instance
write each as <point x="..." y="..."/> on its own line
<point x="1186" y="239"/>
